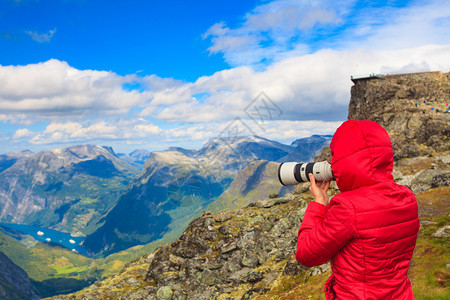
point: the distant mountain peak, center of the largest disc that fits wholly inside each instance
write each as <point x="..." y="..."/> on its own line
<point x="312" y="139"/>
<point x="135" y="158"/>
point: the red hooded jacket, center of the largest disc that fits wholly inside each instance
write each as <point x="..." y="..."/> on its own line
<point x="369" y="230"/>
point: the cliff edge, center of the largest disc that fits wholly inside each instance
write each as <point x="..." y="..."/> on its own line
<point x="411" y="107"/>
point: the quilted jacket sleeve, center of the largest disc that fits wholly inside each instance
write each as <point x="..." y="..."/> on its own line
<point x="324" y="231"/>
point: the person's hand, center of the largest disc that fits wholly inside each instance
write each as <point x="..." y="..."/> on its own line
<point x="319" y="190"/>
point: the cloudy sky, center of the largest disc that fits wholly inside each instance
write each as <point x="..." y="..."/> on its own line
<point x="147" y="74"/>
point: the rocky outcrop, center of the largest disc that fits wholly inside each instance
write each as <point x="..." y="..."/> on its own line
<point x="423" y="173"/>
<point x="411" y="108"/>
<point x="14" y="282"/>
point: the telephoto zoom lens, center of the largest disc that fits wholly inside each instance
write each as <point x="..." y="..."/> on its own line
<point x="291" y="173"/>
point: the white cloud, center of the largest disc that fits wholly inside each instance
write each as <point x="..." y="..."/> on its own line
<point x="310" y="87"/>
<point x="50" y="90"/>
<point x="286" y="28"/>
<point x="386" y="28"/>
<point x="86" y="131"/>
<point x="22" y="133"/>
<point x="288" y="131"/>
<point x="274" y="30"/>
<point x="41" y="37"/>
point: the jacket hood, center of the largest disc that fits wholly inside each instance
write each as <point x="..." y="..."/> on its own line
<point x="361" y="155"/>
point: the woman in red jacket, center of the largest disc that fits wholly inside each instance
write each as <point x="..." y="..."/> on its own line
<point x="369" y="230"/>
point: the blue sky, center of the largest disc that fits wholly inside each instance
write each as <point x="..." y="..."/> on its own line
<point x="154" y="74"/>
<point x="149" y="37"/>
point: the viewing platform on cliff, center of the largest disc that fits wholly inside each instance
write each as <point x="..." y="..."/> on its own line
<point x="367" y="77"/>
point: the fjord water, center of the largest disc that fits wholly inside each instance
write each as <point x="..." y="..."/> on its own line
<point x="49" y="235"/>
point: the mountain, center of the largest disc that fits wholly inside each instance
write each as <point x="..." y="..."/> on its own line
<point x="177" y="184"/>
<point x="309" y="147"/>
<point x="136" y="158"/>
<point x="258" y="181"/>
<point x="65" y="189"/>
<point x="14" y="282"/>
<point x="249" y="253"/>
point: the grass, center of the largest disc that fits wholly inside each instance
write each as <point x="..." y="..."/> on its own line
<point x="428" y="272"/>
<point x="69" y="270"/>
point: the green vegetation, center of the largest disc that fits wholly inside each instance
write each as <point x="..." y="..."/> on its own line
<point x="429" y="274"/>
<point x="44" y="261"/>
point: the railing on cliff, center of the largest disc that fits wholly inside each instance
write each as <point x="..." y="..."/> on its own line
<point x="367" y="77"/>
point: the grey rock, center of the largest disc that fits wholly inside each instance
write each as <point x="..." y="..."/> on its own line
<point x="224" y="230"/>
<point x="423" y="180"/>
<point x="234" y="262"/>
<point x="248" y="240"/>
<point x="241" y="275"/>
<point x="209" y="277"/>
<point x="179" y="295"/>
<point x="442" y="232"/>
<point x="269" y="278"/>
<point x="132" y="281"/>
<point x="204" y="295"/>
<point x="250" y="259"/>
<point x="228" y="247"/>
<point x="254" y="277"/>
<point x="293" y="268"/>
<point x="262" y="222"/>
<point x="280" y="227"/>
<point x="164" y="293"/>
<point x="440" y="180"/>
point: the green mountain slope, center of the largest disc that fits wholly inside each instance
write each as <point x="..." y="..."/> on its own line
<point x="52" y="268"/>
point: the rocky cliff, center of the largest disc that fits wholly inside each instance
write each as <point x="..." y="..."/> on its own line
<point x="410" y="106"/>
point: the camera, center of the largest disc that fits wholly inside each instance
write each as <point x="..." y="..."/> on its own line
<point x="291" y="173"/>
